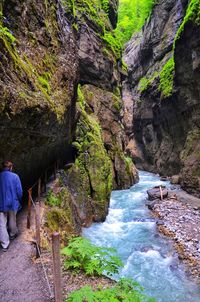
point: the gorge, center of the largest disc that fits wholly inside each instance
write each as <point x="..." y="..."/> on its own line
<point x="72" y="94"/>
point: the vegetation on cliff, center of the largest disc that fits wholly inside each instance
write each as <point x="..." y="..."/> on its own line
<point x="92" y="158"/>
<point x="167" y="72"/>
<point x="167" y="78"/>
<point x="192" y="14"/>
<point x="132" y="15"/>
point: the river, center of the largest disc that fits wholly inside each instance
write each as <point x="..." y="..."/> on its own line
<point x="148" y="257"/>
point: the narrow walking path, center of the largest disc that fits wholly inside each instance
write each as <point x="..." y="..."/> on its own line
<point x="21" y="280"/>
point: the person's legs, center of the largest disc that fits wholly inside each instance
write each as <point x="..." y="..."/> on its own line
<point x="4" y="237"/>
<point x="12" y="224"/>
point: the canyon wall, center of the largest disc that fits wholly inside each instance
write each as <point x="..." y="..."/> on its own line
<point x="60" y="97"/>
<point x="162" y="93"/>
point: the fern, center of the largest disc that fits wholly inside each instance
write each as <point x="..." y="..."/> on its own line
<point x="125" y="290"/>
<point x="81" y="254"/>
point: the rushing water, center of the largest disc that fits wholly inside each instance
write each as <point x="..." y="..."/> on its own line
<point x="148" y="257"/>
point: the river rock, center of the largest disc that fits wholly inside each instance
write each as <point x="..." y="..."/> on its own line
<point x="175" y="179"/>
<point x="155" y="193"/>
<point x="179" y="221"/>
<point x="152" y="203"/>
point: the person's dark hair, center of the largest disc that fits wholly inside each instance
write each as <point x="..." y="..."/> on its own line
<point x="7" y="164"/>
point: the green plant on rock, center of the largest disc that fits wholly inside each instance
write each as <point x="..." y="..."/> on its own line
<point x="145" y="82"/>
<point x="125" y="290"/>
<point x="105" y="5"/>
<point x="129" y="164"/>
<point x="113" y="43"/>
<point x="92" y="158"/>
<point x="6" y="34"/>
<point x="167" y="78"/>
<point x="52" y="199"/>
<point x="82" y="255"/>
<point x="192" y="14"/>
<point x="45" y="84"/>
<point x="132" y="15"/>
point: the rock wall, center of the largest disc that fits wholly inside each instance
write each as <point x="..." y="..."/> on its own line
<point x="38" y="78"/>
<point x="52" y="54"/>
<point x="162" y="92"/>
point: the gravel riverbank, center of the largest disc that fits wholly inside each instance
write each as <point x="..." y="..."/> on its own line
<point x="180" y="221"/>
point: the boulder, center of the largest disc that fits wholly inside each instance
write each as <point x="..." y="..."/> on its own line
<point x="152" y="203"/>
<point x="155" y="193"/>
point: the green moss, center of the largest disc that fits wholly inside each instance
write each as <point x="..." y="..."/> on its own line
<point x="105" y="5"/>
<point x="192" y="14"/>
<point x="167" y="78"/>
<point x="6" y="34"/>
<point x="45" y="83"/>
<point x="117" y="103"/>
<point x="59" y="216"/>
<point x="93" y="159"/>
<point x="190" y="144"/>
<point x="112" y="42"/>
<point x="145" y="82"/>
<point x="129" y="164"/>
<point x="81" y="98"/>
<point x="96" y="11"/>
<point x="124" y="66"/>
<point x="52" y="200"/>
<point x="166" y="75"/>
<point x="23" y="65"/>
<point x="59" y="221"/>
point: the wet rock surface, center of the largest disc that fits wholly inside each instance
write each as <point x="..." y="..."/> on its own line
<point x="165" y="129"/>
<point x="180" y="221"/>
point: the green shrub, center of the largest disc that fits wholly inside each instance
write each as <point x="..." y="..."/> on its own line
<point x="125" y="290"/>
<point x="81" y="254"/>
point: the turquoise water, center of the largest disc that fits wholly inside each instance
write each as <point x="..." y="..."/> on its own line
<point x="148" y="257"/>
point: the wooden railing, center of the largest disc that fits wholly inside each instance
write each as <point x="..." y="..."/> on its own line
<point x="34" y="203"/>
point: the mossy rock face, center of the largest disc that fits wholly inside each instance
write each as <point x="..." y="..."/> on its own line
<point x="108" y="109"/>
<point x="45" y="47"/>
<point x="100" y="164"/>
<point x="93" y="162"/>
<point x="190" y="157"/>
<point x="62" y="215"/>
<point x="76" y="178"/>
<point x="37" y="109"/>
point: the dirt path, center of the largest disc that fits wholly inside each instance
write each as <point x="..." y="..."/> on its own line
<point x="20" y="279"/>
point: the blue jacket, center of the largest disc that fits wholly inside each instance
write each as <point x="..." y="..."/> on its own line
<point x="10" y="191"/>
